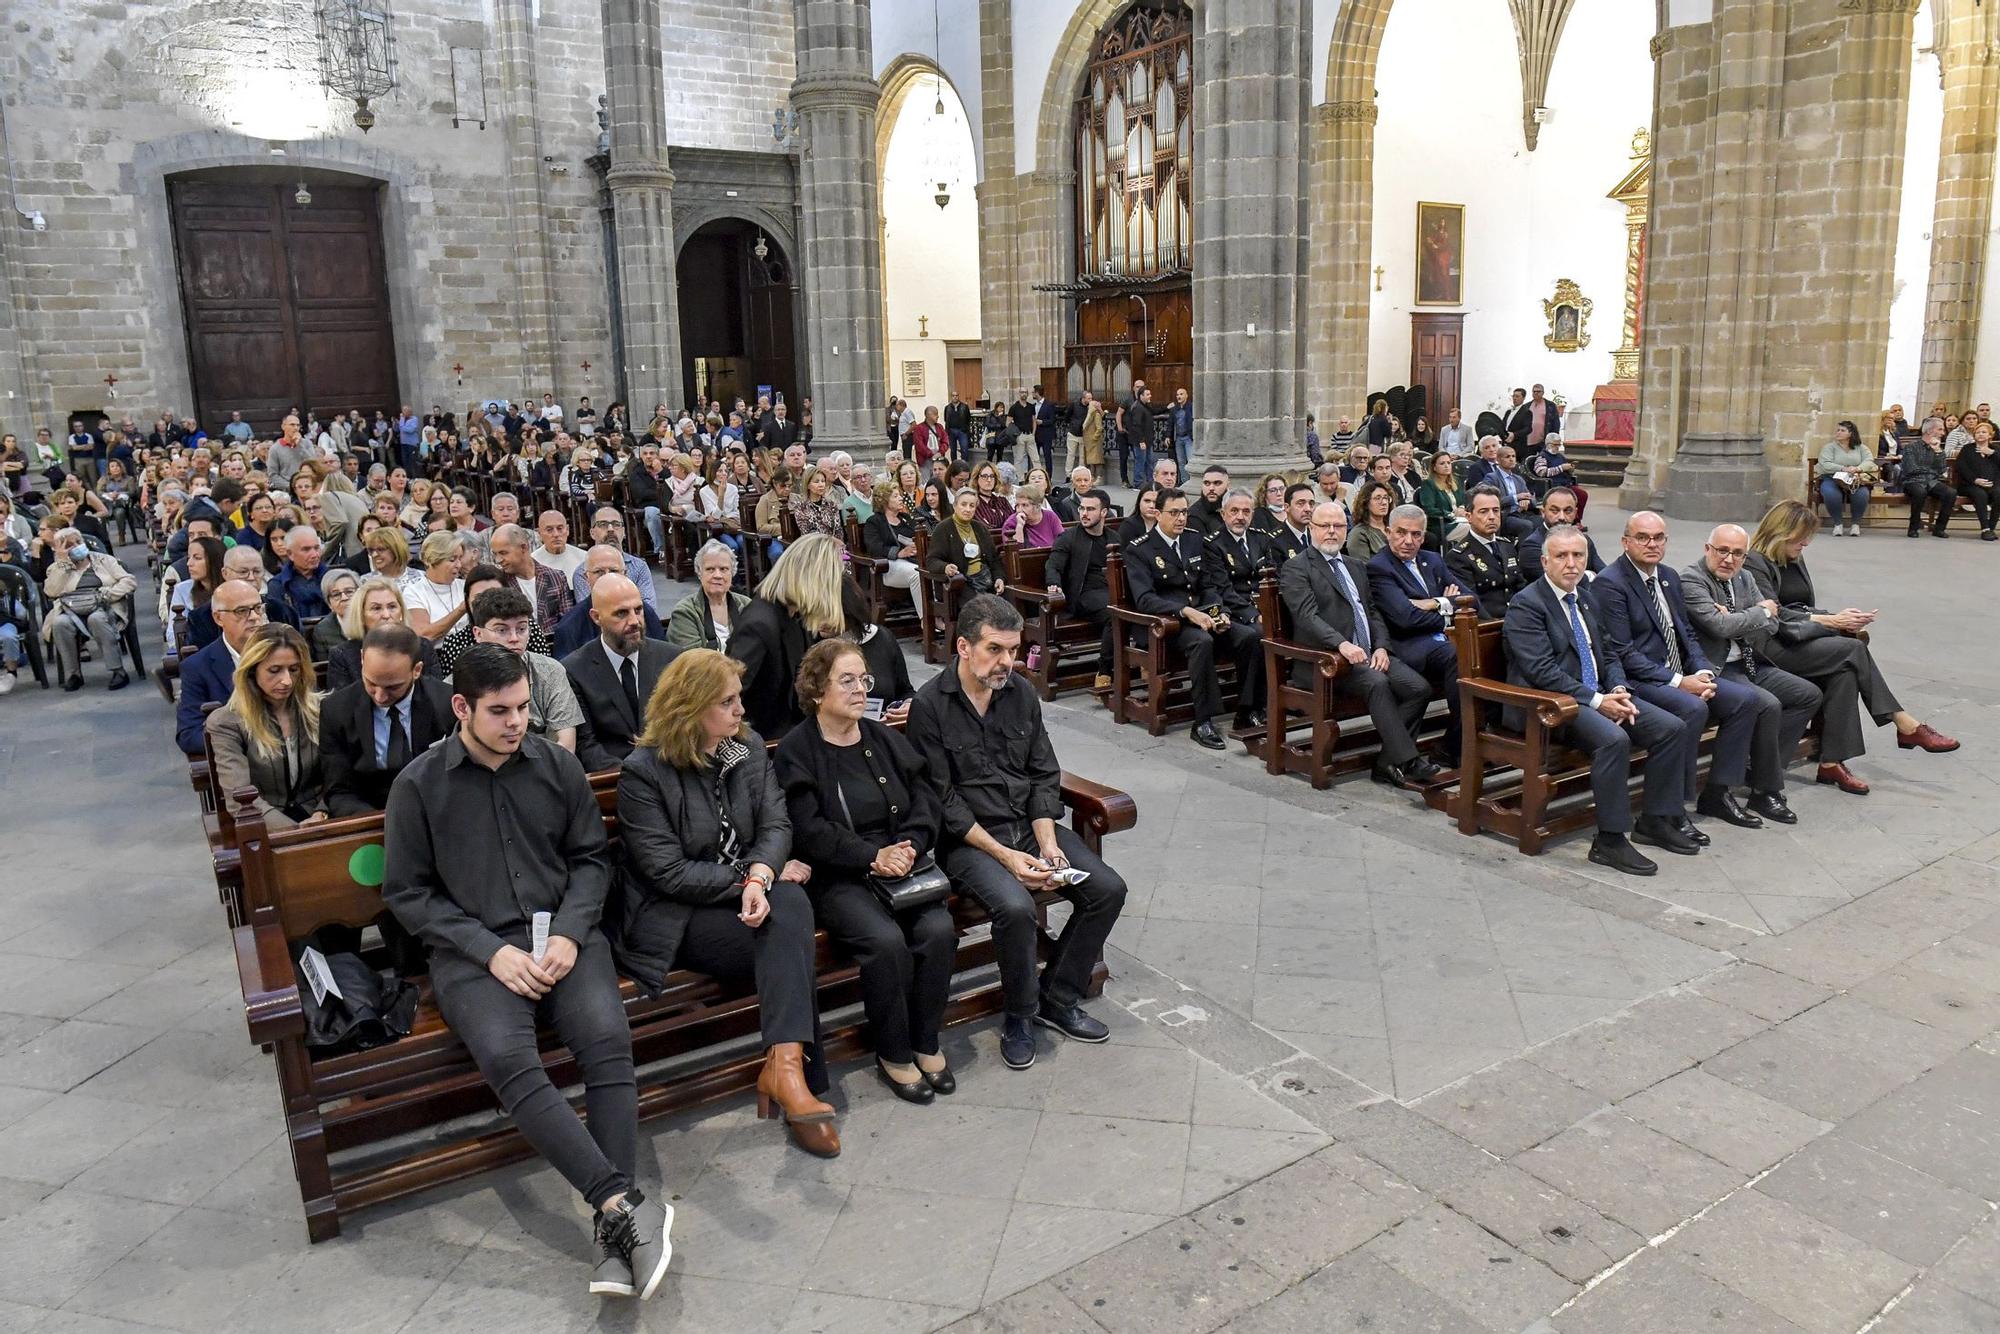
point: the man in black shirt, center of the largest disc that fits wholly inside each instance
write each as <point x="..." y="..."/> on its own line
<point x="485" y="832"/>
<point x="1205" y="514"/>
<point x="981" y="733"/>
<point x="1076" y="570"/>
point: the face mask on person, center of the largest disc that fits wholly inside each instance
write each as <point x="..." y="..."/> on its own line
<point x="79" y="554"/>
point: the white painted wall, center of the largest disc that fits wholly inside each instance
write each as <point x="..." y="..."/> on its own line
<point x="1531" y="218"/>
<point x="1038" y="29"/>
<point x="1913" y="226"/>
<point x="905" y="26"/>
<point x="930" y="256"/>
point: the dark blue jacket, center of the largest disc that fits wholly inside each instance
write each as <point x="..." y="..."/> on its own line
<point x="1393" y="588"/>
<point x="1633" y="622"/>
<point x="1541" y="650"/>
<point x="298" y="591"/>
<point x="206" y="678"/>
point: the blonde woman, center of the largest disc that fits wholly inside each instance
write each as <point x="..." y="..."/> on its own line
<point x="267" y="736"/>
<point x="389" y="555"/>
<point x="797" y="605"/>
<point x="376" y="601"/>
<point x="710" y="883"/>
<point x="436" y="598"/>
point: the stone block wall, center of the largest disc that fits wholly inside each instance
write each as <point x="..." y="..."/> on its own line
<point x="729" y="65"/>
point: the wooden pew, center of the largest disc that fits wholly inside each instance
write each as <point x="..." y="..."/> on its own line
<point x="1888" y="507"/>
<point x="942" y="596"/>
<point x="888" y="607"/>
<point x="1068" y="658"/>
<point x="1149" y="678"/>
<point x="695" y="1042"/>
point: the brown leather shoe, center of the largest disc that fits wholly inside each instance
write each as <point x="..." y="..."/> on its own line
<point x="1102" y="682"/>
<point x="1926" y="737"/>
<point x="1840" y="776"/>
<point x="781" y="1087"/>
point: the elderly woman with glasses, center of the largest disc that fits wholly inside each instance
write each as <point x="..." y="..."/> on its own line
<point x="865" y="815"/>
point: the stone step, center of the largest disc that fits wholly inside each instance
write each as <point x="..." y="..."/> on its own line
<point x="1599" y="462"/>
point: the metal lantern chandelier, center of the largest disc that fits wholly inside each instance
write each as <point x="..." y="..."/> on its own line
<point x="357" y="53"/>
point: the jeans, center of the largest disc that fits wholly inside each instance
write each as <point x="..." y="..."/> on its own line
<point x="1096" y="904"/>
<point x="498" y="1028"/>
<point x="1183" y="446"/>
<point x="905" y="965"/>
<point x="1142" y="463"/>
<point x="656" y="529"/>
<point x="1854" y="502"/>
<point x="11" y="654"/>
<point x="68" y="641"/>
<point x="959" y="444"/>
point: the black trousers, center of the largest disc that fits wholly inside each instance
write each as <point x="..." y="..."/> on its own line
<point x="498" y="1028"/>
<point x="1198" y="648"/>
<point x="1094" y="908"/>
<point x="1799" y="700"/>
<point x="1739" y="712"/>
<point x="1982" y="505"/>
<point x="1919" y="492"/>
<point x="1666" y="739"/>
<point x="777" y="958"/>
<point x="905" y="964"/>
<point x="1244" y="642"/>
<point x="1096" y="609"/>
<point x="1437" y="662"/>
<point x="1396" y="701"/>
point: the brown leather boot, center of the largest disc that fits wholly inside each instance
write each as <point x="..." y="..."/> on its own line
<point x="781" y="1086"/>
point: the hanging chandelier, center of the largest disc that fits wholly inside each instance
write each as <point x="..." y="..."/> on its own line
<point x="357" y="53"/>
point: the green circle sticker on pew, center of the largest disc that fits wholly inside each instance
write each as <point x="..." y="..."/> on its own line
<point x="366" y="865"/>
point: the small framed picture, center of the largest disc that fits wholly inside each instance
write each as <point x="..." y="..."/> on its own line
<point x="1440" y="254"/>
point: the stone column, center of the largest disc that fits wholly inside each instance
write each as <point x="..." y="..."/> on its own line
<point x="1343" y="246"/>
<point x="527" y="210"/>
<point x="1964" y="214"/>
<point x="642" y="203"/>
<point x="1253" y="69"/>
<point x="999" y="259"/>
<point x="836" y="97"/>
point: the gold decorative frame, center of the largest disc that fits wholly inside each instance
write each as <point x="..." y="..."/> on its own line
<point x="1568" y="314"/>
<point x="1450" y="217"/>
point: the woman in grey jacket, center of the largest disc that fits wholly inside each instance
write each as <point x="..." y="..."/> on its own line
<point x="709" y="884"/>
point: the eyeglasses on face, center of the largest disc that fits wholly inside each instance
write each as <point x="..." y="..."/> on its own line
<point x="850" y="681"/>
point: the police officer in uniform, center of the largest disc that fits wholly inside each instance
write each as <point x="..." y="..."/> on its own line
<point x="1235" y="560"/>
<point x="1164" y="572"/>
<point x="1482" y="561"/>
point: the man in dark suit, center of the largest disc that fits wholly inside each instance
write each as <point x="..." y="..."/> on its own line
<point x="1515" y="420"/>
<point x="209" y="676"/>
<point x="1414" y="592"/>
<point x="1076" y="570"/>
<point x="1558" y="510"/>
<point x="1517" y="498"/>
<point x="1294" y="532"/>
<point x="1234" y="561"/>
<point x="613" y="675"/>
<point x="1482" y="561"/>
<point x="1332" y="607"/>
<point x="1164" y="573"/>
<point x="1556" y="641"/>
<point x="1050" y="418"/>
<point x="369" y="730"/>
<point x="1645" y="614"/>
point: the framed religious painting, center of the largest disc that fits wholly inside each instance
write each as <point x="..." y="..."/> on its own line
<point x="1440" y="254"/>
<point x="1568" y="314"/>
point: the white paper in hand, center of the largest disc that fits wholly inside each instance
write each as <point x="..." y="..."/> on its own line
<point x="541" y="935"/>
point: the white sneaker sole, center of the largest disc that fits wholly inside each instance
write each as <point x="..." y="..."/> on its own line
<point x="651" y="1283"/>
<point x="603" y="1288"/>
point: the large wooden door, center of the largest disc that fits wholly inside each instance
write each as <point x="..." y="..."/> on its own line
<point x="285" y="303"/>
<point x="1435" y="343"/>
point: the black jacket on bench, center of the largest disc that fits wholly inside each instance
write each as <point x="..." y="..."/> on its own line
<point x="670" y="837"/>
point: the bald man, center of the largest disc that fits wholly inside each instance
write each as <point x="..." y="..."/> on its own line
<point x="576" y="627"/>
<point x="613" y="674"/>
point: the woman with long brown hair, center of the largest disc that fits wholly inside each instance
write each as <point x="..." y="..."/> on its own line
<point x="710" y="884"/>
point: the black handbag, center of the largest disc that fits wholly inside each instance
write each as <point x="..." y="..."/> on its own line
<point x="924" y="885"/>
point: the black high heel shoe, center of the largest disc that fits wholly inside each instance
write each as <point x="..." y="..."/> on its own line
<point x="942" y="1081"/>
<point x="920" y="1092"/>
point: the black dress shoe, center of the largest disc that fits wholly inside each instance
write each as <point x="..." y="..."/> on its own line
<point x="119" y="680"/>
<point x="1422" y="770"/>
<point x="73" y="684"/>
<point x="1617" y="852"/>
<point x="1721" y="804"/>
<point x="1771" y="806"/>
<point x="942" y="1082"/>
<point x="1687" y="827"/>
<point x="1017" y="1043"/>
<point x="920" y="1093"/>
<point x="1206" y="736"/>
<point x="1654" y="831"/>
<point x="1072" y="1021"/>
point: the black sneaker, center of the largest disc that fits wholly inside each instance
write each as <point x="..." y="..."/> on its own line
<point x="637" y="1230"/>
<point x="119" y="680"/>
<point x="1072" y="1021"/>
<point x="1017" y="1043"/>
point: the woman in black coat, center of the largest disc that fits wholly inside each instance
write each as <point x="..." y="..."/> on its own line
<point x="797" y="604"/>
<point x="862" y="806"/>
<point x="709" y="884"/>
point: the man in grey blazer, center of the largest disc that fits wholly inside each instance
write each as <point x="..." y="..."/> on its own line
<point x="1740" y="629"/>
<point x="1327" y="594"/>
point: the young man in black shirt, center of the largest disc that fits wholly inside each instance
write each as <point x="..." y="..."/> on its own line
<point x="485" y="831"/>
<point x="981" y="733"/>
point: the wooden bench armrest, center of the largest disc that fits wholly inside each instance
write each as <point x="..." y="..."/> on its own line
<point x="1097" y="809"/>
<point x="1330" y="663"/>
<point x="1142" y="619"/>
<point x="1042" y="599"/>
<point x="1548" y="708"/>
<point x="271" y="1002"/>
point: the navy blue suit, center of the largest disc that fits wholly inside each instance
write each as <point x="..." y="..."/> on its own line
<point x="1745" y="715"/>
<point x="1417" y="637"/>
<point x="207" y="677"/>
<point x="1542" y="654"/>
<point x="1529" y="548"/>
<point x="1514" y="521"/>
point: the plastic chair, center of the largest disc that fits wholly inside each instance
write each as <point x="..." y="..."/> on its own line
<point x="17" y="587"/>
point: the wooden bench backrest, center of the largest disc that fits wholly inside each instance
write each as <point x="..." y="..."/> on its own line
<point x="1481" y="649"/>
<point x="1117" y="592"/>
<point x="1026" y="566"/>
<point x="1271" y="609"/>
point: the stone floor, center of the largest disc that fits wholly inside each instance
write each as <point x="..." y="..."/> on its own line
<point x="1366" y="1073"/>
